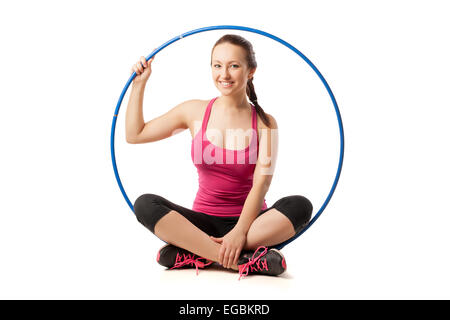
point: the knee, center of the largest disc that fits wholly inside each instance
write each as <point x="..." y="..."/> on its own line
<point x="144" y="209"/>
<point x="304" y="206"/>
<point x="298" y="209"/>
<point x="143" y="203"/>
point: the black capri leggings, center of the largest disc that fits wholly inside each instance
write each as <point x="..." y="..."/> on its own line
<point x="149" y="208"/>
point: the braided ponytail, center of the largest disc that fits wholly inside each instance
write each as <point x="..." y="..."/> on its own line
<point x="254" y="99"/>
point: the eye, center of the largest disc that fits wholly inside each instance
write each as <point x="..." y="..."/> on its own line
<point x="218" y="65"/>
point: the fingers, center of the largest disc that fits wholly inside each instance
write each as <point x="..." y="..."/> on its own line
<point x="229" y="256"/>
<point x="236" y="257"/>
<point x="221" y="254"/>
<point x="226" y="258"/>
<point x="226" y="255"/>
<point x="143" y="62"/>
<point x="141" y="65"/>
<point x="137" y="68"/>
<point x="229" y="262"/>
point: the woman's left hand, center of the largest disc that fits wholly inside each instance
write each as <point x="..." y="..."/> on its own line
<point x="232" y="244"/>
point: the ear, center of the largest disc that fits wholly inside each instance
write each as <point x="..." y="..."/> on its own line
<point x="252" y="72"/>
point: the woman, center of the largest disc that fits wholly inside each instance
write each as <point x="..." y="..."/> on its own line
<point x="230" y="222"/>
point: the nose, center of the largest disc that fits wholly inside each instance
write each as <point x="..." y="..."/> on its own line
<point x="225" y="73"/>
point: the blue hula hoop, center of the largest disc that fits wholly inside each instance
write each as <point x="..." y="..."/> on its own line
<point x="221" y="27"/>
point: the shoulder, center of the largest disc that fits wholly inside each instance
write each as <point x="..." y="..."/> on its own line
<point x="196" y="104"/>
<point x="272" y="122"/>
<point x="192" y="104"/>
<point x="193" y="111"/>
<point x="191" y="108"/>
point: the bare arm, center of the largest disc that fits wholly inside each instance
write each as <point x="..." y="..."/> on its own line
<point x="134" y="119"/>
<point x="164" y="126"/>
<point x="173" y="121"/>
<point x="262" y="176"/>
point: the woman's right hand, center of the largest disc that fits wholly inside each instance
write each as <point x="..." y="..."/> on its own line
<point x="143" y="69"/>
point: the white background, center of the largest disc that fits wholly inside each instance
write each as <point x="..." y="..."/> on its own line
<point x="65" y="229"/>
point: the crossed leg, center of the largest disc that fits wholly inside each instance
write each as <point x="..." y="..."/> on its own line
<point x="268" y="229"/>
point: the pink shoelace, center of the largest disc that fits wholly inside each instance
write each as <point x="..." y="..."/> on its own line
<point x="254" y="264"/>
<point x="189" y="259"/>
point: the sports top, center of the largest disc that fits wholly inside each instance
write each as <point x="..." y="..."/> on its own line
<point x="225" y="176"/>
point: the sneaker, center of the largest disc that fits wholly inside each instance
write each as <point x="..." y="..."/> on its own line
<point x="173" y="257"/>
<point x="262" y="261"/>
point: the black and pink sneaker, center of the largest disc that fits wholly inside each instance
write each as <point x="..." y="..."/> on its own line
<point x="262" y="261"/>
<point x="173" y="257"/>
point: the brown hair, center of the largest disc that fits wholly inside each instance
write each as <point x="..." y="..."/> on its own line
<point x="251" y="63"/>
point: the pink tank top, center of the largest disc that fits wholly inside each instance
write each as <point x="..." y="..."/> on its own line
<point x="225" y="176"/>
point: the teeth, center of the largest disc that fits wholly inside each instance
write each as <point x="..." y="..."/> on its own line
<point x="226" y="83"/>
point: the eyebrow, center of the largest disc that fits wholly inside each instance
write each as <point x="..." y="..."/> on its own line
<point x="230" y="61"/>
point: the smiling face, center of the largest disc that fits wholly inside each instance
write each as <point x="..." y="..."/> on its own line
<point x="229" y="68"/>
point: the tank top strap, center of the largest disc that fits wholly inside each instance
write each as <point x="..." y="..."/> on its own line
<point x="206" y="115"/>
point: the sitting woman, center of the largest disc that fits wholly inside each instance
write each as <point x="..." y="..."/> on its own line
<point x="230" y="222"/>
